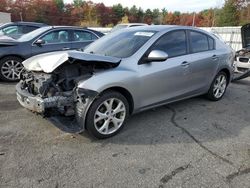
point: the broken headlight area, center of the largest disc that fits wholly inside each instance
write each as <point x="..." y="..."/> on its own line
<point x="56" y="92"/>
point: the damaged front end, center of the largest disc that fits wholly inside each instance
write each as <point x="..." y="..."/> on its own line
<point x="52" y="89"/>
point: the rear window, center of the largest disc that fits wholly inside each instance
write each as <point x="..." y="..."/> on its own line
<point x="199" y="42"/>
<point x="27" y="29"/>
<point x="211" y="43"/>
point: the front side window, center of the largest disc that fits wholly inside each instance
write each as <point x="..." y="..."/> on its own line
<point x="59" y="36"/>
<point x="199" y="42"/>
<point x="83" y="36"/>
<point x="173" y="43"/>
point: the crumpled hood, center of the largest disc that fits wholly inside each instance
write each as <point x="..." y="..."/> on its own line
<point x="50" y="61"/>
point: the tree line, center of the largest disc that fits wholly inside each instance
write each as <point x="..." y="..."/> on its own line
<point x="87" y="13"/>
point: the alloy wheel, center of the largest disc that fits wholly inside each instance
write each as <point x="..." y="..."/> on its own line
<point x="11" y="69"/>
<point x="109" y="116"/>
<point x="220" y="85"/>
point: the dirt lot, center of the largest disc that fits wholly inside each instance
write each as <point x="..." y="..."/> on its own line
<point x="193" y="143"/>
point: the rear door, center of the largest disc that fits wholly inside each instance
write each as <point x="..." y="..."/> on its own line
<point x="204" y="60"/>
<point x="55" y="40"/>
<point x="82" y="38"/>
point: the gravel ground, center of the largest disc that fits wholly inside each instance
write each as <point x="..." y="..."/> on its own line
<point x="193" y="143"/>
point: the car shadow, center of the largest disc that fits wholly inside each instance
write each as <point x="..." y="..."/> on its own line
<point x="187" y="121"/>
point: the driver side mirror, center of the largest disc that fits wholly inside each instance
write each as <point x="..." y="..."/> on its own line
<point x="156" y="55"/>
<point x="39" y="42"/>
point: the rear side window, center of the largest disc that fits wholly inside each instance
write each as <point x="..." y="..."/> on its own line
<point x="199" y="42"/>
<point x="211" y="43"/>
<point x="173" y="43"/>
<point x="83" y="36"/>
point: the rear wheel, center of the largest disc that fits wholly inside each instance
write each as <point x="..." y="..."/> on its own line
<point x="107" y="115"/>
<point x="218" y="87"/>
<point x="10" y="68"/>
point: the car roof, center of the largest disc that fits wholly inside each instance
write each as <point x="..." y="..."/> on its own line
<point x="160" y="28"/>
<point x="26" y="23"/>
<point x="129" y="24"/>
<point x="99" y="34"/>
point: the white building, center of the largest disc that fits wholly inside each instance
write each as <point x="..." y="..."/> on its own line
<point x="230" y="35"/>
<point x="4" y="17"/>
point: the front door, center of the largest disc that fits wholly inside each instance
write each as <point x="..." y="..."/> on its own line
<point x="170" y="79"/>
<point x="56" y="40"/>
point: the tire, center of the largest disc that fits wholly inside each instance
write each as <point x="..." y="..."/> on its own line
<point x="104" y="126"/>
<point x="218" y="89"/>
<point x="10" y="68"/>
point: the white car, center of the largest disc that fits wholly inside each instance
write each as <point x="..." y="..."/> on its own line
<point x="127" y="25"/>
<point x="242" y="58"/>
<point x="242" y="61"/>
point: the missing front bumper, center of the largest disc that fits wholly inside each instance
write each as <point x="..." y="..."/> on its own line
<point x="33" y="103"/>
<point x="38" y="104"/>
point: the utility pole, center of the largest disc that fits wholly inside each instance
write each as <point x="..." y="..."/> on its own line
<point x="193" y="20"/>
<point x="21" y="16"/>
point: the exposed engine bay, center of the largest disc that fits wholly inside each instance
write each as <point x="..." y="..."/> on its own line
<point x="62" y="80"/>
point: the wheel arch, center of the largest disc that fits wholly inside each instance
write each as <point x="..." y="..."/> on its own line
<point x="228" y="73"/>
<point x="13" y="55"/>
<point x="125" y="93"/>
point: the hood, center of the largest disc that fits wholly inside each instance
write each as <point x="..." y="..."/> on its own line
<point x="50" y="61"/>
<point x="245" y="35"/>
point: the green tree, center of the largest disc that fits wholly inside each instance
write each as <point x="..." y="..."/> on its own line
<point x="156" y="16"/>
<point x="140" y="15"/>
<point x="148" y="18"/>
<point x="229" y="15"/>
<point x="78" y="3"/>
<point x="118" y="13"/>
<point x="133" y="14"/>
<point x="59" y="4"/>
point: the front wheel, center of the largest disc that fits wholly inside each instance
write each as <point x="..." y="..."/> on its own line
<point x="10" y="68"/>
<point x="107" y="115"/>
<point x="218" y="87"/>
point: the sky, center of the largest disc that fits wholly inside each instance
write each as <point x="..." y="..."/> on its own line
<point x="170" y="5"/>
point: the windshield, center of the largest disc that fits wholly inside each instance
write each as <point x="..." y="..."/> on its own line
<point x="120" y="44"/>
<point x="33" y="34"/>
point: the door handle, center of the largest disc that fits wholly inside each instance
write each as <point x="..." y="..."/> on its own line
<point x="65" y="48"/>
<point x="185" y="64"/>
<point x="215" y="57"/>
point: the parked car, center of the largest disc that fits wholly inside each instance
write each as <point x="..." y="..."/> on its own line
<point x="42" y="40"/>
<point x="242" y="59"/>
<point x="127" y="25"/>
<point x="17" y="29"/>
<point x="124" y="73"/>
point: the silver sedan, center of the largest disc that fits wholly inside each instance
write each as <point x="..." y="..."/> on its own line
<point x="124" y="73"/>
